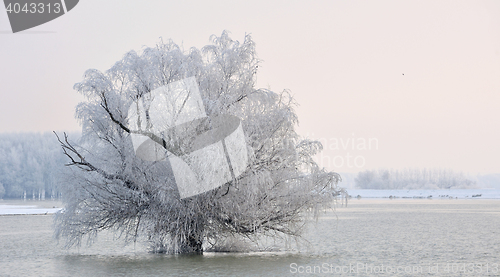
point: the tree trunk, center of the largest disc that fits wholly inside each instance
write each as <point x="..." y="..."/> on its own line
<point x="194" y="242"/>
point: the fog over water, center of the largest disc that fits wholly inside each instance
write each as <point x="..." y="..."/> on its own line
<point x="384" y="85"/>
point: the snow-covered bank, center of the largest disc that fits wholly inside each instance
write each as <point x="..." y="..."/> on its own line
<point x="427" y="193"/>
<point x="25" y="210"/>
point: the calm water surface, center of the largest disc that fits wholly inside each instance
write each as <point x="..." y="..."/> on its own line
<point x="366" y="238"/>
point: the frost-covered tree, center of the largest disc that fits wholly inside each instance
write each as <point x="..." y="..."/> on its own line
<point x="2" y="191"/>
<point x="108" y="187"/>
<point x="413" y="178"/>
<point x="29" y="165"/>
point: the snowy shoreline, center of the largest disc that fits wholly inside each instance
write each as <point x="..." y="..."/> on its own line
<point x="427" y="193"/>
<point x="16" y="207"/>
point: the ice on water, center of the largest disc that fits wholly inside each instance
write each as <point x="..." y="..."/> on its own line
<point x="25" y="209"/>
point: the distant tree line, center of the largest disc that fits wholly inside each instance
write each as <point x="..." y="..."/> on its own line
<point x="29" y="165"/>
<point x="489" y="180"/>
<point x="413" y="179"/>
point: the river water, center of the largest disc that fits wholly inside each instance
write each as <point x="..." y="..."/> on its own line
<point x="369" y="237"/>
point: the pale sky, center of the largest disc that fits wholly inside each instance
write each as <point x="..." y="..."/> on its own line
<point x="342" y="60"/>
